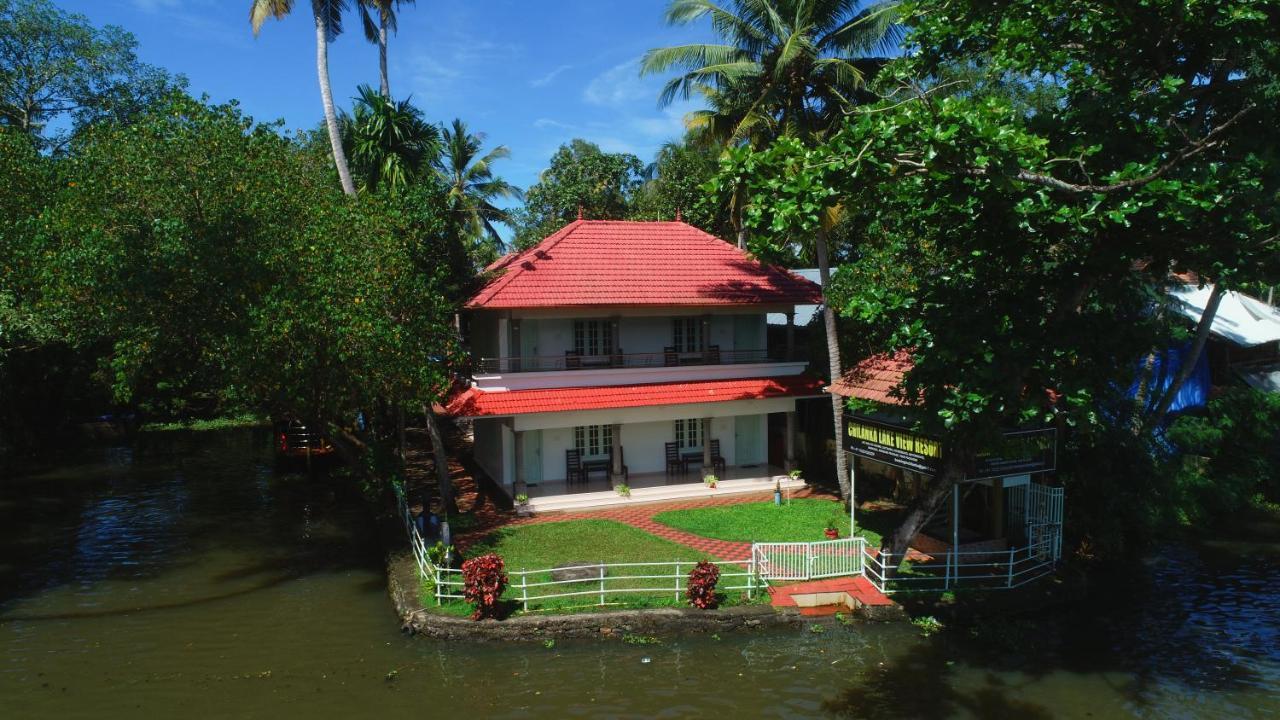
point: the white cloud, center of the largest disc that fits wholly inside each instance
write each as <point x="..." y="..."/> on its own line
<point x="543" y="123"/>
<point x="619" y="86"/>
<point x="546" y="79"/>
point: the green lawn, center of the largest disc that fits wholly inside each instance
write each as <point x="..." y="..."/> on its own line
<point x="800" y="520"/>
<point x="553" y="544"/>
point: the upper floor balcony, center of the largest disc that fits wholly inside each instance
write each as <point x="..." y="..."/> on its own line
<point x="621" y="368"/>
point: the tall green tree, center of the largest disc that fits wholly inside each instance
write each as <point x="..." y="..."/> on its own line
<point x="390" y="144"/>
<point x="784" y="68"/>
<point x="1020" y="233"/>
<point x="472" y="190"/>
<point x="376" y="31"/>
<point x="59" y="73"/>
<point x="327" y="16"/>
<point x="582" y="178"/>
<point x="674" y="183"/>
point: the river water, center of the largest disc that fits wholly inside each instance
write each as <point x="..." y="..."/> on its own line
<point x="190" y="580"/>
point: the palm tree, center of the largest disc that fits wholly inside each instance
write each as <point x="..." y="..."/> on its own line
<point x="328" y="20"/>
<point x="473" y="189"/>
<point x="786" y="67"/>
<point x="390" y="144"/>
<point x="376" y="32"/>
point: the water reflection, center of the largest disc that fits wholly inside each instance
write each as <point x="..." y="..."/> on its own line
<point x="186" y="577"/>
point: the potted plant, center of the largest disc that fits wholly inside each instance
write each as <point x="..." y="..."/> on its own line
<point x="710" y="480"/>
<point x="522" y="505"/>
<point x="832" y="531"/>
<point x="795" y="474"/>
<point x="623" y="490"/>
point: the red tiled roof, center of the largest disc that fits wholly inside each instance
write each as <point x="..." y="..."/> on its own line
<point x="875" y="378"/>
<point x="474" y="402"/>
<point x="613" y="262"/>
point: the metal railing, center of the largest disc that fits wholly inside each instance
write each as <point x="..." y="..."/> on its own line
<point x="574" y="361"/>
<point x="533" y="587"/>
<point x="992" y="569"/>
<point x="599" y="582"/>
<point x="809" y="560"/>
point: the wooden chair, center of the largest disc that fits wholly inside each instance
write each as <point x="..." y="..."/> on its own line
<point x="717" y="460"/>
<point x="670" y="356"/>
<point x="572" y="360"/>
<point x="713" y="355"/>
<point x="674" y="462"/>
<point x="574" y="472"/>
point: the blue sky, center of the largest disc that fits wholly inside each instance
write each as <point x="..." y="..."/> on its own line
<point x="530" y="74"/>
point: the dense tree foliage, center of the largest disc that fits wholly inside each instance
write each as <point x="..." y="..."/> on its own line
<point x="389" y="143"/>
<point x="203" y="262"/>
<point x="59" y="73"/>
<point x="1003" y="247"/>
<point x="581" y="177"/>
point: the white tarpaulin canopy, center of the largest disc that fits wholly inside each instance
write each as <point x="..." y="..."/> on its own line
<point x="1240" y="319"/>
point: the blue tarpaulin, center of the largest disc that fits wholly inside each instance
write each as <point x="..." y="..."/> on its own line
<point x="1193" y="393"/>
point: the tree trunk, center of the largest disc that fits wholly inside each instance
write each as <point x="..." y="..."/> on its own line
<point x="331" y="115"/>
<point x="382" y="55"/>
<point x="926" y="504"/>
<point x="833" y="358"/>
<point x="441" y="458"/>
<point x="1193" y="357"/>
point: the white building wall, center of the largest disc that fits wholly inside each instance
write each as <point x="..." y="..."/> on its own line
<point x="555" y="336"/>
<point x="722" y="332"/>
<point x="644" y="334"/>
<point x="488" y="445"/>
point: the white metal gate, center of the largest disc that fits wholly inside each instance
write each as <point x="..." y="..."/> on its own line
<point x="1044" y="510"/>
<point x="808" y="561"/>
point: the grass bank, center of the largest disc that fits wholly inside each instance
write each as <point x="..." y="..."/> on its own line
<point x="800" y="520"/>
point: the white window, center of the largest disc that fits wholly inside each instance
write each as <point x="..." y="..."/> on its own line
<point x="593" y="440"/>
<point x="686" y="334"/>
<point x="688" y="434"/>
<point x="592" y="337"/>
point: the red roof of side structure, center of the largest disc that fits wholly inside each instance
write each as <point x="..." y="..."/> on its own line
<point x="875" y="378"/>
<point x="474" y="402"/>
<point x="618" y="263"/>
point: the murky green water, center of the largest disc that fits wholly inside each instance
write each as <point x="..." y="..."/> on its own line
<point x="192" y="581"/>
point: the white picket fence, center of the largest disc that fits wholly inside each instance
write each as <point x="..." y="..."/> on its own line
<point x="606" y="580"/>
<point x="598" y="583"/>
<point x="809" y="560"/>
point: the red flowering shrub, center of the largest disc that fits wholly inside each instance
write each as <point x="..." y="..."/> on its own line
<point x="702" y="585"/>
<point x="484" y="580"/>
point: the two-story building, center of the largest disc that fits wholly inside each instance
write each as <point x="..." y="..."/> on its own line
<point x="633" y="353"/>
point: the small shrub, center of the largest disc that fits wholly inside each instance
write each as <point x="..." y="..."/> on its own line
<point x="632" y="639"/>
<point x="702" y="586"/>
<point x="484" y="580"/>
<point x="522" y="499"/>
<point x="440" y="554"/>
<point x="928" y="625"/>
<point x="623" y="489"/>
<point x="710" y="480"/>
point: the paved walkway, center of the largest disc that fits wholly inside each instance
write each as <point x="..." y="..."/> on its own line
<point x="641" y="517"/>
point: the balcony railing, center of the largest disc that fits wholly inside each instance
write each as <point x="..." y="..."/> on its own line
<point x="667" y="358"/>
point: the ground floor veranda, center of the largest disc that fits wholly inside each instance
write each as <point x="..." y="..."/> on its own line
<point x="577" y="460"/>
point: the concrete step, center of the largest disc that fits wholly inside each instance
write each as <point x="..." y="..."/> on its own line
<point x="660" y="493"/>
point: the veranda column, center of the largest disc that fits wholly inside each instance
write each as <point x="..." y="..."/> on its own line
<point x="791" y="335"/>
<point x="516" y="357"/>
<point x="519" y="486"/>
<point x="790" y="463"/>
<point x="706" y="446"/>
<point x="615" y="472"/>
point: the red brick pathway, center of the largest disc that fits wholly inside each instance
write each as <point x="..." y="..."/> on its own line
<point x="641" y="517"/>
